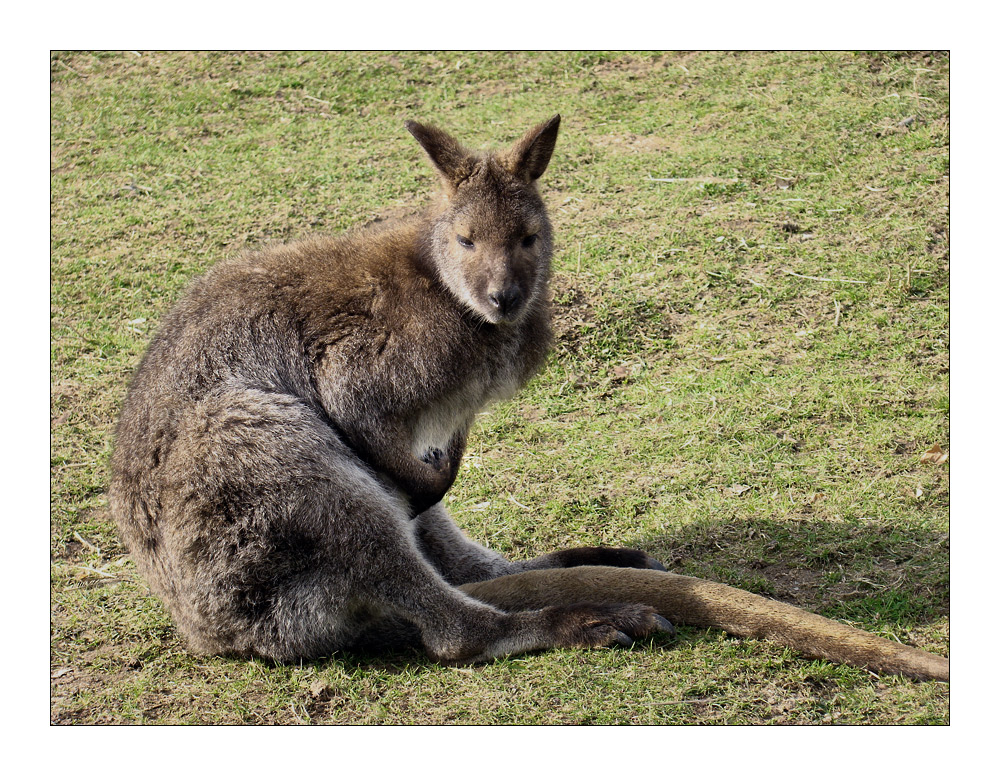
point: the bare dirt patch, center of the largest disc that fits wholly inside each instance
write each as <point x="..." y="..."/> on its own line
<point x="630" y="142"/>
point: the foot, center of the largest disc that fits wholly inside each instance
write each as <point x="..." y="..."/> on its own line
<point x="606" y="556"/>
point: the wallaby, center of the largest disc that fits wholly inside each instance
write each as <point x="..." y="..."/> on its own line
<point x="288" y="437"/>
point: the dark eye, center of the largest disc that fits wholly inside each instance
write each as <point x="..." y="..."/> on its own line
<point x="528" y="241"/>
<point x="465" y="242"/>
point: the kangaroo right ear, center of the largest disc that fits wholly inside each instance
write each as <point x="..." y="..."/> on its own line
<point x="447" y="155"/>
<point x="530" y="155"/>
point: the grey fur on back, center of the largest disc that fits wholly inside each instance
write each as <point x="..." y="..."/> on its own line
<point x="287" y="439"/>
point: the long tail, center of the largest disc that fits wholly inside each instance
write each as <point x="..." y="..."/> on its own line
<point x="690" y="601"/>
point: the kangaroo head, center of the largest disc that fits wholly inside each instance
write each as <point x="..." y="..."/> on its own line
<point x="491" y="240"/>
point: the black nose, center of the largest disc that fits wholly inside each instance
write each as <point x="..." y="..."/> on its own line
<point x="506" y="301"/>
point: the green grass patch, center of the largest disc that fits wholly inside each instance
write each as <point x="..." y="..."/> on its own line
<point x="750" y="359"/>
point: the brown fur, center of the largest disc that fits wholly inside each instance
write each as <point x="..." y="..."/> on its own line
<point x="288" y="437"/>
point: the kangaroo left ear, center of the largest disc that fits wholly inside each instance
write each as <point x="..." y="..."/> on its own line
<point x="447" y="155"/>
<point x="530" y="155"/>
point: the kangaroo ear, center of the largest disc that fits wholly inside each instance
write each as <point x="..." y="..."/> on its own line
<point x="448" y="156"/>
<point x="530" y="155"/>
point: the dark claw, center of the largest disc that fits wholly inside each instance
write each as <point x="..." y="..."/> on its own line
<point x="665" y="625"/>
<point x="624" y="640"/>
<point x="656" y="565"/>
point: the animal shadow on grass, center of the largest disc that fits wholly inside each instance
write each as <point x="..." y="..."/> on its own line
<point x="875" y="576"/>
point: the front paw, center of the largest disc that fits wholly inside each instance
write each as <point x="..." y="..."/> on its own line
<point x="436" y="459"/>
<point x="434" y="481"/>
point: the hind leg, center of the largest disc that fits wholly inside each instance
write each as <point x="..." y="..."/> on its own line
<point x="255" y="520"/>
<point x="392" y="581"/>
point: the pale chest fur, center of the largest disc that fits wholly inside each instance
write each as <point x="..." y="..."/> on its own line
<point x="435" y="426"/>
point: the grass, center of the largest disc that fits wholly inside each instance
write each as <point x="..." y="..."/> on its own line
<point x="749" y="363"/>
